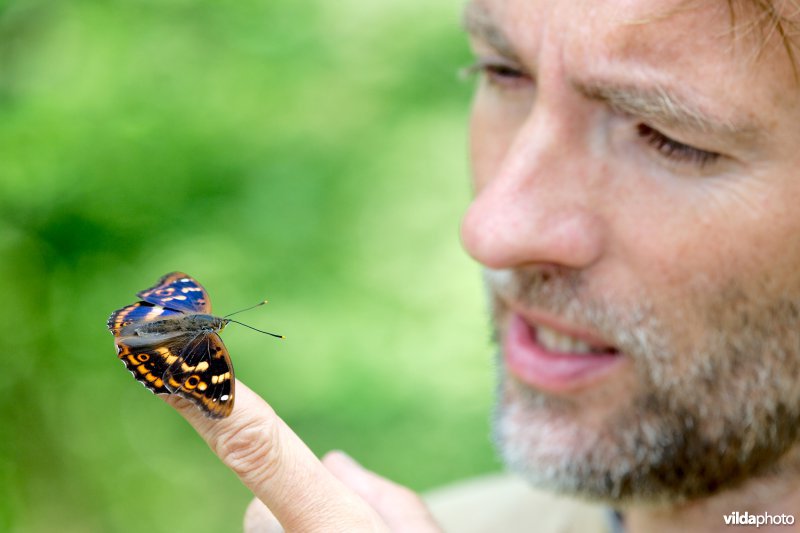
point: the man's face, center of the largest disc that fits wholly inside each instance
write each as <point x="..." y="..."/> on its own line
<point x="637" y="176"/>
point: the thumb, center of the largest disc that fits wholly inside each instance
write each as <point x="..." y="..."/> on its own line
<point x="259" y="519"/>
<point x="400" y="508"/>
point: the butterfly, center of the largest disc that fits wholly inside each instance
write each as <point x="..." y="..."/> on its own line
<point x="170" y="343"/>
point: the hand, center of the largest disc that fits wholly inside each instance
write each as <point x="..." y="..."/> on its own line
<point x="294" y="490"/>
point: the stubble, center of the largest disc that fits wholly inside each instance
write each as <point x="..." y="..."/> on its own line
<point x="702" y="415"/>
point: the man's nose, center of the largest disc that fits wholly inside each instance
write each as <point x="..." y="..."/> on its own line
<point x="540" y="207"/>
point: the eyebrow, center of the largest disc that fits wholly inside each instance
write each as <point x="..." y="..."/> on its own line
<point x="655" y="104"/>
<point x="660" y="106"/>
<point x="477" y="21"/>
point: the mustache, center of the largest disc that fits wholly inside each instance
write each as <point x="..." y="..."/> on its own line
<point x="565" y="293"/>
<point x="555" y="290"/>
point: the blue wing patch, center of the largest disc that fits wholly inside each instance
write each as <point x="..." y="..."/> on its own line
<point x="138" y="312"/>
<point x="180" y="292"/>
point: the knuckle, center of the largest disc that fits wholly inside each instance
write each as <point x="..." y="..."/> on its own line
<point x="250" y="449"/>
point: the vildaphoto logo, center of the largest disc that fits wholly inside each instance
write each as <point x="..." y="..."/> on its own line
<point x="763" y="519"/>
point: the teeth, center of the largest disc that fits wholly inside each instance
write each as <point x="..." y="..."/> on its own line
<point x="557" y="342"/>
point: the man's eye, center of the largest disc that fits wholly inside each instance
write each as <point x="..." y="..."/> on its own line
<point x="675" y="150"/>
<point x="499" y="74"/>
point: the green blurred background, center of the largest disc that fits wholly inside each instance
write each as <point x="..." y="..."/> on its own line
<point x="310" y="152"/>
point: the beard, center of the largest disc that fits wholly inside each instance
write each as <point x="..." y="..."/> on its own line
<point x="714" y="401"/>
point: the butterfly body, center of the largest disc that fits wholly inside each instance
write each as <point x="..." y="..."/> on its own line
<point x="170" y="343"/>
<point x="188" y="323"/>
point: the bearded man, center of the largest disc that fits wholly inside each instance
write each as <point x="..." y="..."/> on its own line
<point x="637" y="183"/>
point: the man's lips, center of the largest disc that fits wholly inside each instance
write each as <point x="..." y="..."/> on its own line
<point x="554" y="357"/>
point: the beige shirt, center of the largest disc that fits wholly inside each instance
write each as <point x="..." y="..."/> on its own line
<point x="503" y="503"/>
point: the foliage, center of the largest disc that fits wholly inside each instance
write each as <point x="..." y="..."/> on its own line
<point x="310" y="152"/>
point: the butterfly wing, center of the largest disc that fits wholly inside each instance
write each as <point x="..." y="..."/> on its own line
<point x="182" y="358"/>
<point x="138" y="312"/>
<point x="149" y="357"/>
<point x="204" y="375"/>
<point x="178" y="291"/>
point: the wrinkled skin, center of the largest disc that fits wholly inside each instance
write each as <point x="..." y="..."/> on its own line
<point x="636" y="178"/>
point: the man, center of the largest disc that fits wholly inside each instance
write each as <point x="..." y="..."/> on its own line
<point x="636" y="173"/>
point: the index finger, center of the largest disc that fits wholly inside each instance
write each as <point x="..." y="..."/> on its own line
<point x="278" y="467"/>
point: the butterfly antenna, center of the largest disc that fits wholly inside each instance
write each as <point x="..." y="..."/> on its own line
<point x="256" y="329"/>
<point x="259" y="304"/>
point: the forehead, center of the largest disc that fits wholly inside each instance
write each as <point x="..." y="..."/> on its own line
<point x="683" y="39"/>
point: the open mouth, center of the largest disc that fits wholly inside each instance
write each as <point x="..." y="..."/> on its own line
<point x="556" y="342"/>
<point x="555" y="357"/>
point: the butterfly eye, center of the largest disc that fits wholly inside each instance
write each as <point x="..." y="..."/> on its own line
<point x="143" y="357"/>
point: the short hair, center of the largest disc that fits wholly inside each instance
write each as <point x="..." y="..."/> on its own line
<point x="761" y="20"/>
<point x="769" y="18"/>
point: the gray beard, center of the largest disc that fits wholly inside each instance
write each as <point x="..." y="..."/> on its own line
<point x="702" y="416"/>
